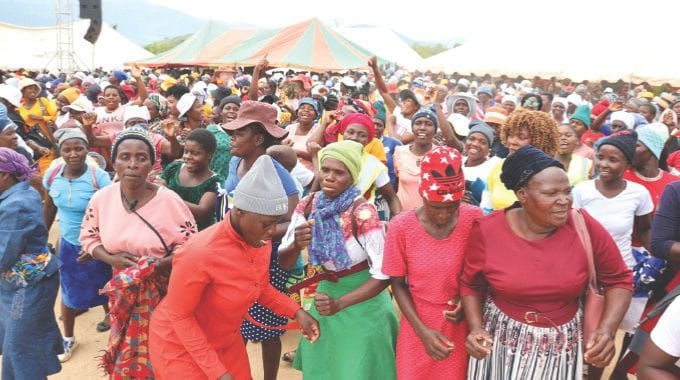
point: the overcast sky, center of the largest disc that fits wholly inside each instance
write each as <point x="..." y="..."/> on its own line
<point x="448" y="20"/>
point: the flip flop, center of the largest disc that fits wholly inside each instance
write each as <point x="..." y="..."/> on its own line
<point x="103" y="326"/>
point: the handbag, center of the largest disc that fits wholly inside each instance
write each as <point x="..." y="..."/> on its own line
<point x="594" y="297"/>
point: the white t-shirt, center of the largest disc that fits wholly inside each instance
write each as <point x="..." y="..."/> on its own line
<point x="666" y="334"/>
<point x="103" y="116"/>
<point x="617" y="214"/>
<point x="480" y="171"/>
<point x="403" y="124"/>
<point x="303" y="175"/>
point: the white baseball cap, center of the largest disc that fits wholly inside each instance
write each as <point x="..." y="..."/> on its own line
<point x="81" y="104"/>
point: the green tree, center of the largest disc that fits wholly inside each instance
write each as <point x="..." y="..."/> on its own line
<point x="166" y="44"/>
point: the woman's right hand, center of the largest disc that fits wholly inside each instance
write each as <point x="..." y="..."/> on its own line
<point x="122" y="260"/>
<point x="479" y="343"/>
<point x="89" y="119"/>
<point x="437" y="346"/>
<point x="303" y="234"/>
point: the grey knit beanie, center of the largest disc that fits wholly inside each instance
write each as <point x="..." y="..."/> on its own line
<point x="260" y="190"/>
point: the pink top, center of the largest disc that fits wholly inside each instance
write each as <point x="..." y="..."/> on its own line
<point x="300" y="142"/>
<point x="546" y="276"/>
<point x="431" y="265"/>
<point x="107" y="222"/>
<point x="407" y="167"/>
<point x="584" y="150"/>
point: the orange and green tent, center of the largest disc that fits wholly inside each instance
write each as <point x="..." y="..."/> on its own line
<point x="309" y="45"/>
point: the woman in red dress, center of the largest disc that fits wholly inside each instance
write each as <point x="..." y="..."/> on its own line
<point x="426" y="246"/>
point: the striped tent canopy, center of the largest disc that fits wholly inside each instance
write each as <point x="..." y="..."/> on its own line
<point x="309" y="45"/>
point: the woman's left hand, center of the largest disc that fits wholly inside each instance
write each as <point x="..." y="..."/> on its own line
<point x="600" y="349"/>
<point x="325" y="304"/>
<point x="163" y="265"/>
<point x="309" y="325"/>
<point x="456" y="315"/>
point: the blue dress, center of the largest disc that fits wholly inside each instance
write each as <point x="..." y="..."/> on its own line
<point x="277" y="276"/>
<point x="80" y="283"/>
<point x="29" y="336"/>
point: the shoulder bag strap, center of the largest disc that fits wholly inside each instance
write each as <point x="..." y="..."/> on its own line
<point x="49" y="136"/>
<point x="584" y="236"/>
<point x="54" y="174"/>
<point x="168" y="252"/>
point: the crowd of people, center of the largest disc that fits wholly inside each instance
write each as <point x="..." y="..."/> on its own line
<point x="412" y="225"/>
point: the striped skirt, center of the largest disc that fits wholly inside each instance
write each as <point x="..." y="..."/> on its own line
<point x="525" y="352"/>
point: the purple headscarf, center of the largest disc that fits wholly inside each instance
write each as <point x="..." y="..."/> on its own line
<point x="15" y="164"/>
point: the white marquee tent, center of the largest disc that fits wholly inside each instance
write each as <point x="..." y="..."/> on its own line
<point x="35" y="48"/>
<point x="587" y="59"/>
<point x="384" y="43"/>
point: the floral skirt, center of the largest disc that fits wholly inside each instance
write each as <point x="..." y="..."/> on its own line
<point x="522" y="351"/>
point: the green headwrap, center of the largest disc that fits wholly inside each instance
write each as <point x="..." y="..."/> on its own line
<point x="346" y="151"/>
<point x="381" y="113"/>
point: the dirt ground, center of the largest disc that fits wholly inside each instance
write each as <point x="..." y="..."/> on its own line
<point x="83" y="364"/>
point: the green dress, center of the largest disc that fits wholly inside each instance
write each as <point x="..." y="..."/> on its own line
<point x="222" y="156"/>
<point x="357" y="343"/>
<point x="190" y="194"/>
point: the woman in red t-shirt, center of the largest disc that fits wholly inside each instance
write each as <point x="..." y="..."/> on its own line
<point x="523" y="274"/>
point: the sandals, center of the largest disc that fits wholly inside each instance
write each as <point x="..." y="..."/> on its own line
<point x="288" y="356"/>
<point x="103" y="326"/>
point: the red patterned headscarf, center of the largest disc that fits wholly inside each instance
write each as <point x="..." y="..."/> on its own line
<point x="441" y="175"/>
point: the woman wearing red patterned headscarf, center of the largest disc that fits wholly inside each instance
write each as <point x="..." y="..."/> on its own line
<point x="426" y="245"/>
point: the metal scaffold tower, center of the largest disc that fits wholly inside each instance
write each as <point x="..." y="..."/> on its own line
<point x="65" y="54"/>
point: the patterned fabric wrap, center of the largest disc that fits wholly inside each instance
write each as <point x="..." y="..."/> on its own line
<point x="328" y="242"/>
<point x="441" y="175"/>
<point x="28" y="269"/>
<point x="133" y="294"/>
<point x="523" y="352"/>
<point x="646" y="272"/>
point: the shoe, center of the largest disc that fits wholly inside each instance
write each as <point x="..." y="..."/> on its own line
<point x="288" y="356"/>
<point x="69" y="347"/>
<point x="103" y="326"/>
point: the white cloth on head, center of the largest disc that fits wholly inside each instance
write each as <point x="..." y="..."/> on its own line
<point x="625" y="117"/>
<point x="575" y="99"/>
<point x="509" y="98"/>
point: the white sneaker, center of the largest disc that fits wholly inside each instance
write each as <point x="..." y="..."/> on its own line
<point x="69" y="347"/>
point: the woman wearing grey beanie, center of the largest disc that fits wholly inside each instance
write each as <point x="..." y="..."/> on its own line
<point x="217" y="276"/>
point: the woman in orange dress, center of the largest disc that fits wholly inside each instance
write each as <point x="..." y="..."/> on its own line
<point x="217" y="276"/>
